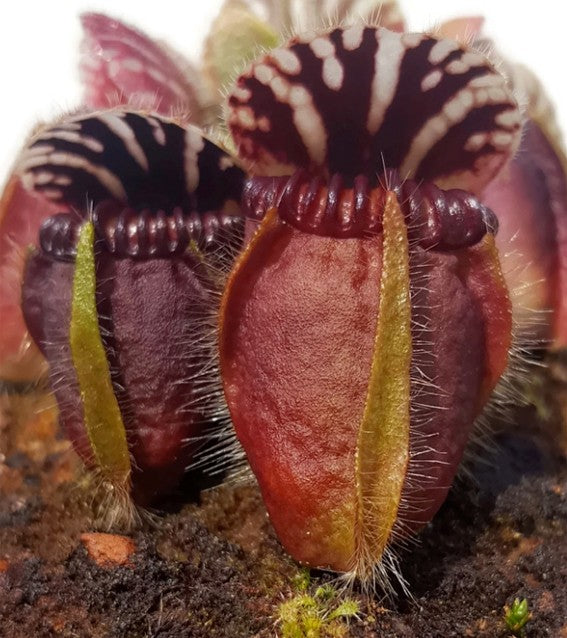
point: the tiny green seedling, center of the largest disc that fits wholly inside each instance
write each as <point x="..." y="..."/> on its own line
<point x="517" y="616"/>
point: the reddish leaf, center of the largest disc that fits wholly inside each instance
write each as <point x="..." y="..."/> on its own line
<point x="121" y="65"/>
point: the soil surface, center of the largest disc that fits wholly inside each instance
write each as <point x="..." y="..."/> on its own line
<point x="210" y="564"/>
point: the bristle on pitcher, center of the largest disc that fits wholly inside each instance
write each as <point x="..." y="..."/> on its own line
<point x="429" y="108"/>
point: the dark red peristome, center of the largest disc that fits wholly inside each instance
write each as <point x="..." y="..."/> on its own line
<point x="260" y="194"/>
<point x="153" y="323"/>
<point x="142" y="234"/>
<point x="436" y="218"/>
<point x="58" y="236"/>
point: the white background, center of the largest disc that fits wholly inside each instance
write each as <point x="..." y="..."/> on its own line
<point x="39" y="47"/>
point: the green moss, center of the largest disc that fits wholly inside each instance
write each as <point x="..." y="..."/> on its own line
<point x="323" y="614"/>
<point x="349" y="608"/>
<point x="302" y="580"/>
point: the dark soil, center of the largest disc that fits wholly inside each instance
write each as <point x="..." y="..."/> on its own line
<point x="212" y="566"/>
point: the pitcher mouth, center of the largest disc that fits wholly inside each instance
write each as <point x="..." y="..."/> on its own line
<point x="441" y="219"/>
<point x="125" y="232"/>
